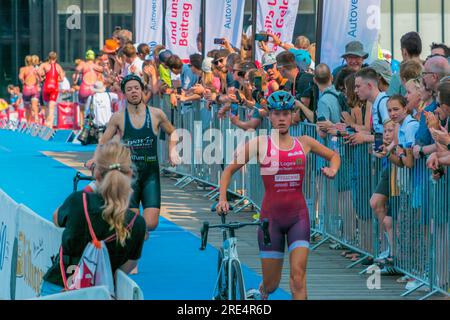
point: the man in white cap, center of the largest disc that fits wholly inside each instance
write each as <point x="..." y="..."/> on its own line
<point x="100" y="106"/>
<point x="276" y="80"/>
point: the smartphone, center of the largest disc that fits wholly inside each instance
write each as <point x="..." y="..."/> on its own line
<point x="262" y="37"/>
<point x="179" y="91"/>
<point x="321" y="119"/>
<point x="219" y="41"/>
<point x="378" y="141"/>
<point x="258" y="83"/>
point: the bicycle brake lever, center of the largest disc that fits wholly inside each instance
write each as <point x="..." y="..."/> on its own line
<point x="204" y="235"/>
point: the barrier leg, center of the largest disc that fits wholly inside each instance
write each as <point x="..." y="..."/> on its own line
<point x="214" y="196"/>
<point x="432" y="293"/>
<point x="407" y="293"/>
<point x="179" y="181"/>
<point x="190" y="180"/>
<point x="357" y="262"/>
<point x="320" y="243"/>
<point x="211" y="192"/>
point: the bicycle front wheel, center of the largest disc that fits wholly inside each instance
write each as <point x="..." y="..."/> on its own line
<point x="237" y="290"/>
<point x="222" y="286"/>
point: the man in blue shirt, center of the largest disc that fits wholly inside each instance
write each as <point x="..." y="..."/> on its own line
<point x="328" y="107"/>
<point x="188" y="78"/>
<point x="366" y="87"/>
<point x="354" y="57"/>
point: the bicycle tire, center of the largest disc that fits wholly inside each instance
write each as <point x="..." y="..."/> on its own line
<point x="237" y="282"/>
<point x="222" y="292"/>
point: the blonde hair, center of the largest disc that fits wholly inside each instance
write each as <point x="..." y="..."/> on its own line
<point x="416" y="83"/>
<point x="36" y="60"/>
<point x="52" y="56"/>
<point x="28" y="61"/>
<point x="113" y="162"/>
<point x="302" y="42"/>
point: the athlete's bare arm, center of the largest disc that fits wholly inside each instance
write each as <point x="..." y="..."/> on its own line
<point x="314" y="146"/>
<point x="61" y="73"/>
<point x="22" y="75"/>
<point x="242" y="156"/>
<point x="164" y="123"/>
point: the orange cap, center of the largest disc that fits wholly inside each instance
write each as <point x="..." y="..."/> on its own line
<point x="111" y="46"/>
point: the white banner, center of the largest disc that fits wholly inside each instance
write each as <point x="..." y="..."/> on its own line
<point x="149" y="22"/>
<point x="224" y="19"/>
<point x="182" y="26"/>
<point x="345" y="21"/>
<point x="8" y="224"/>
<point x="277" y="17"/>
<point x="38" y="242"/>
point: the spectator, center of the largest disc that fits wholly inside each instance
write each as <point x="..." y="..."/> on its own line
<point x="302" y="42"/>
<point x="232" y="60"/>
<point x="410" y="70"/>
<point x="134" y="65"/>
<point x="328" y="107"/>
<point x="380" y="198"/>
<point x="360" y="115"/>
<point x="413" y="98"/>
<point x="442" y="155"/>
<point x="300" y="84"/>
<point x="398" y="112"/>
<point x="188" y="78"/>
<point x="101" y="106"/>
<point x="164" y="71"/>
<point x="150" y="80"/>
<point x="436" y="68"/>
<point x="143" y="51"/>
<point x="269" y="63"/>
<point x="199" y="43"/>
<point x="424" y="142"/>
<point x="109" y="214"/>
<point x="440" y="49"/>
<point x="411" y="46"/>
<point x="194" y="92"/>
<point x="354" y="57"/>
<point x="383" y="69"/>
<point x="339" y="82"/>
<point x="366" y="87"/>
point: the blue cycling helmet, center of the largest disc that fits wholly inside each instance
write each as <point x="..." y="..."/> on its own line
<point x="281" y="100"/>
<point x="131" y="77"/>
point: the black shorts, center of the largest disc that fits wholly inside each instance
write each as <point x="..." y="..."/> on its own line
<point x="146" y="190"/>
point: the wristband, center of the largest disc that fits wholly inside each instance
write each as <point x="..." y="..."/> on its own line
<point x="421" y="153"/>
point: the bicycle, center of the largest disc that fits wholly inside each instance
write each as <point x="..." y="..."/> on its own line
<point x="230" y="280"/>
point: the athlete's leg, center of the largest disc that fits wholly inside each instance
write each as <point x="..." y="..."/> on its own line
<point x="298" y="259"/>
<point x="151" y="201"/>
<point x="271" y="270"/>
<point x="35" y="110"/>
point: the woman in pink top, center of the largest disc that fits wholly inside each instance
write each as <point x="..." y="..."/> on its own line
<point x="29" y="77"/>
<point x="282" y="159"/>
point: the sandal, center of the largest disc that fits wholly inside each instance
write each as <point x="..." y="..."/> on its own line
<point x="386" y="261"/>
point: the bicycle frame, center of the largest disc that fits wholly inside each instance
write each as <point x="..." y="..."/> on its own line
<point x="230" y="254"/>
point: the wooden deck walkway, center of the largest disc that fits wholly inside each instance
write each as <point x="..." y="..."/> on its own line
<point x="327" y="276"/>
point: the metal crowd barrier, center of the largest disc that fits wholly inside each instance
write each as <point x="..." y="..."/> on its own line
<point x="340" y="208"/>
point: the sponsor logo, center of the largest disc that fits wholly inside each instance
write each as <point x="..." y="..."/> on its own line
<point x="287" y="177"/>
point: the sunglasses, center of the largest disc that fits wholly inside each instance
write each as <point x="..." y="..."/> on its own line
<point x="216" y="63"/>
<point x="240" y="73"/>
<point x="269" y="67"/>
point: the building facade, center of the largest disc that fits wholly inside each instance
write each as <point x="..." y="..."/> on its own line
<point x="70" y="27"/>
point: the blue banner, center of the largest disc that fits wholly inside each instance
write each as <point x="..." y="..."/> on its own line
<point x="345" y="21"/>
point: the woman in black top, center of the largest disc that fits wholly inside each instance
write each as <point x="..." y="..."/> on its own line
<point x="109" y="215"/>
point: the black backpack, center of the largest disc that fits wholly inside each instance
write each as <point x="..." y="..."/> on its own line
<point x="342" y="100"/>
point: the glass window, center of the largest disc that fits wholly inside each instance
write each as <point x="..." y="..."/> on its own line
<point x="430" y="23"/>
<point x="386" y="27"/>
<point x="404" y="22"/>
<point x="91" y="23"/>
<point x="69" y="32"/>
<point x="120" y="15"/>
<point x="447" y="22"/>
<point x="305" y="24"/>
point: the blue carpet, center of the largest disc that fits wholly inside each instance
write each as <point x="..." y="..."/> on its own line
<point x="171" y="267"/>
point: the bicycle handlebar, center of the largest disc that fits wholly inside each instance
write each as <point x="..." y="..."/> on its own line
<point x="234" y="226"/>
<point x="80" y="177"/>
